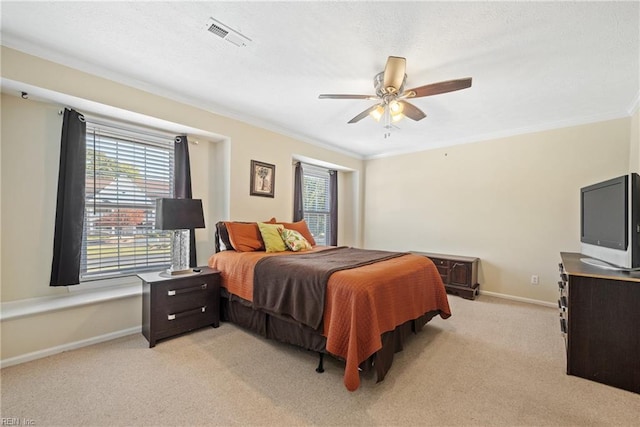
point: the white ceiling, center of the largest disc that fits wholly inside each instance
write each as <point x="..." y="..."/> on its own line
<point x="535" y="65"/>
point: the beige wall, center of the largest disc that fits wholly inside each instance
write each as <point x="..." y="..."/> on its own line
<point x="29" y="176"/>
<point x="82" y="324"/>
<point x="512" y="202"/>
<point x="29" y="149"/>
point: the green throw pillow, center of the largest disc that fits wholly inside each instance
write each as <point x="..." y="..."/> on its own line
<point x="271" y="236"/>
<point x="294" y="240"/>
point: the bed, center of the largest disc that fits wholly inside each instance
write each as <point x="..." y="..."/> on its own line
<point x="356" y="305"/>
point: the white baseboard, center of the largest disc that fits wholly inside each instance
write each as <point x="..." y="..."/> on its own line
<point x="520" y="299"/>
<point x="69" y="346"/>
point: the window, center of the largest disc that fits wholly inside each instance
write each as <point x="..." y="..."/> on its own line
<point x="127" y="171"/>
<point x="317" y="203"/>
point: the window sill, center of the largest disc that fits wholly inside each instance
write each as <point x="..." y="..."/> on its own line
<point x="33" y="306"/>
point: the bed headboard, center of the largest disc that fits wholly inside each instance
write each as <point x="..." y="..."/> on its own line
<point x="222" y="237"/>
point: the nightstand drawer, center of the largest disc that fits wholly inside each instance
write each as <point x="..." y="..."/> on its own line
<point x="183" y="294"/>
<point x="172" y="323"/>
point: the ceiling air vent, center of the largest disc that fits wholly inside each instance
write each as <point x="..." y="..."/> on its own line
<point x="225" y="32"/>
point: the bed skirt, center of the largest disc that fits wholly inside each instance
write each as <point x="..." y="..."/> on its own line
<point x="240" y="312"/>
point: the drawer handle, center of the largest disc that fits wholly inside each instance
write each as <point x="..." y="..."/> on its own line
<point x="174" y="292"/>
<point x="563" y="326"/>
<point x="187" y="313"/>
<point x="562" y="306"/>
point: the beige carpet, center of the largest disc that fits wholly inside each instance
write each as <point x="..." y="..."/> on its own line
<point x="494" y="362"/>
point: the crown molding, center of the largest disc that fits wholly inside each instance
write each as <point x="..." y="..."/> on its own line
<point x="511" y="132"/>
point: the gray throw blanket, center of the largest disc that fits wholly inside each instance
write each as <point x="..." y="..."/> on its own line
<point x="295" y="285"/>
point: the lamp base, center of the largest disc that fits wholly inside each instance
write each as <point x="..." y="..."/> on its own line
<point x="179" y="253"/>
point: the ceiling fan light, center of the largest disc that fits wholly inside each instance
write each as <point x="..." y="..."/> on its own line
<point x="396" y="117"/>
<point x="377" y="113"/>
<point x="395" y="107"/>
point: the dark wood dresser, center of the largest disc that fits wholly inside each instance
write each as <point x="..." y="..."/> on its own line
<point x="459" y="273"/>
<point x="172" y="305"/>
<point x="600" y="321"/>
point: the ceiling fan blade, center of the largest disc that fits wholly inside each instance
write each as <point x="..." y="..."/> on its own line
<point x="364" y="114"/>
<point x="341" y="96"/>
<point x="437" y="88"/>
<point x="411" y="111"/>
<point x="394" y="73"/>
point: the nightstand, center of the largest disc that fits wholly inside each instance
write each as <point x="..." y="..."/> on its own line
<point x="172" y="305"/>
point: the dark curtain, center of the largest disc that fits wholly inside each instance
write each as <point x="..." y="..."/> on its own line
<point x="67" y="238"/>
<point x="333" y="209"/>
<point x="182" y="184"/>
<point x="298" y="206"/>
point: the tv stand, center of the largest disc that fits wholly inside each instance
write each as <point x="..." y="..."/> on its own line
<point x="600" y="320"/>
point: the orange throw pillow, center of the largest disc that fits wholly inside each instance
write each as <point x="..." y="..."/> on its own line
<point x="245" y="236"/>
<point x="302" y="228"/>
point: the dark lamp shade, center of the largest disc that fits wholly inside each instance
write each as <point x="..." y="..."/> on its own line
<point x="179" y="214"/>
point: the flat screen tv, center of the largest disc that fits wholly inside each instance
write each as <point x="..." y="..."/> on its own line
<point x="610" y="222"/>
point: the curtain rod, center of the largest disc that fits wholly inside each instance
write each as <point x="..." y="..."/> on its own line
<point x="126" y="126"/>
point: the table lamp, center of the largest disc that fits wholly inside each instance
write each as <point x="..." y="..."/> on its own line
<point x="179" y="216"/>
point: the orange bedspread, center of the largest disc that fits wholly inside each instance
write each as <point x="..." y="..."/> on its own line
<point x="361" y="304"/>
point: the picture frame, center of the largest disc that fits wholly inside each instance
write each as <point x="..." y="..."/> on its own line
<point x="263" y="179"/>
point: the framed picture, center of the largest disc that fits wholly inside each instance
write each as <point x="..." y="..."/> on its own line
<point x="263" y="179"/>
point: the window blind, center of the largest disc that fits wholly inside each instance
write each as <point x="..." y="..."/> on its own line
<point x="317" y="208"/>
<point x="127" y="170"/>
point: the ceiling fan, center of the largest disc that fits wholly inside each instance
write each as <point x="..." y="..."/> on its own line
<point x="391" y="96"/>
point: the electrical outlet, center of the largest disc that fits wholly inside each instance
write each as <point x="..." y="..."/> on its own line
<point x="534" y="279"/>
